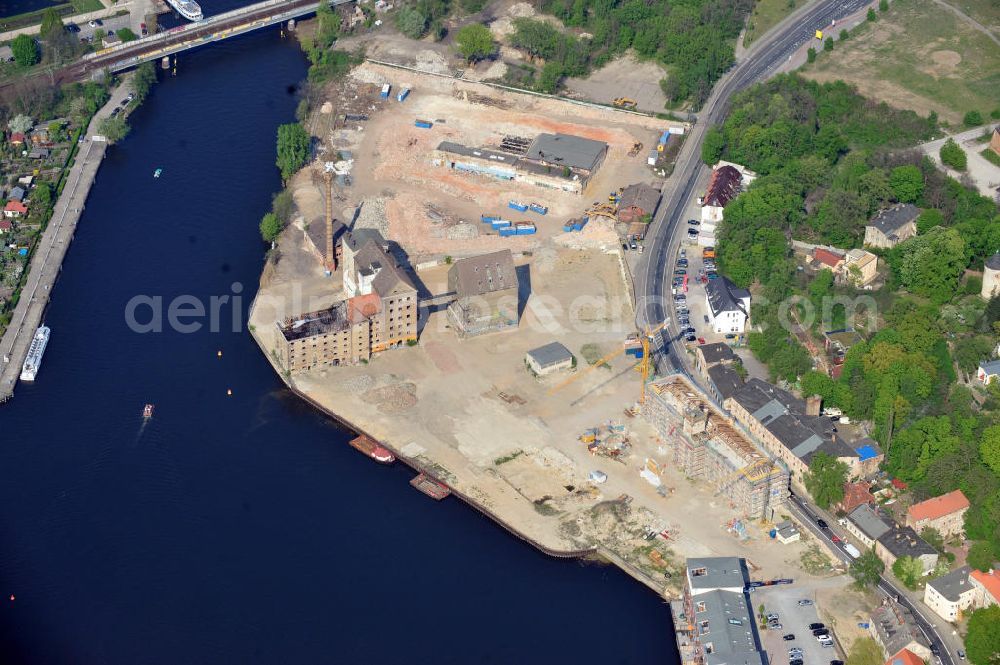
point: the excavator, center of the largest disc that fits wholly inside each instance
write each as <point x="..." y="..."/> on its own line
<point x="625" y="102"/>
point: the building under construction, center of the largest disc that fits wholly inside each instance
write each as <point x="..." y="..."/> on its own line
<point x="706" y="445"/>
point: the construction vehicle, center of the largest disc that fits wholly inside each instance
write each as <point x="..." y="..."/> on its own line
<point x="625" y="103"/>
<point x="642" y="366"/>
<point x="606" y="210"/>
<point x="615" y="197"/>
<point x="635" y="150"/>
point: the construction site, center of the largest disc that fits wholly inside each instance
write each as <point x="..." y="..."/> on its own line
<point x="563" y="460"/>
<point x="708" y="446"/>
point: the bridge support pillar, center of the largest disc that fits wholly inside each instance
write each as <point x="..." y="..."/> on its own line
<point x="291" y="25"/>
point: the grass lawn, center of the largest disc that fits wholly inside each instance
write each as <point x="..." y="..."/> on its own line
<point x="986" y="12"/>
<point x="991" y="156"/>
<point x="918" y="56"/>
<point x="767" y="13"/>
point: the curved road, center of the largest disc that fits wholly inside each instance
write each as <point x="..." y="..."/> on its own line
<point x="667" y="232"/>
<point x="667" y="229"/>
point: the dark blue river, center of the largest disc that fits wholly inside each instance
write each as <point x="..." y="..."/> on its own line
<point x="242" y="529"/>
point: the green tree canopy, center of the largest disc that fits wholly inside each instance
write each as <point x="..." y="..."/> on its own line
<point x="982" y="641"/>
<point x="293" y="149"/>
<point x="931" y="264"/>
<point x="825" y="480"/>
<point x="867" y="569"/>
<point x="908" y="571"/>
<point x="42" y="195"/>
<point x="952" y="155"/>
<point x="126" y="35"/>
<point x="712" y="145"/>
<point x="270" y="227"/>
<point x="980" y="556"/>
<point x="411" y="22"/>
<point x="25" y="50"/>
<point x="113" y="128"/>
<point x="907" y="183"/>
<point x="989" y="448"/>
<point x="475" y="42"/>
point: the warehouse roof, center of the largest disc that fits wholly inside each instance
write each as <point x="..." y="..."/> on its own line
<point x="718" y="572"/>
<point x="486" y="273"/>
<point x="567" y="150"/>
<point x="723" y="619"/>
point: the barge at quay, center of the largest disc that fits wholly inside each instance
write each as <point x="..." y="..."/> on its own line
<point x="372" y="449"/>
<point x="432" y="488"/>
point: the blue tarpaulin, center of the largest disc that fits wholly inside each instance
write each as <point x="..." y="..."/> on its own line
<point x="866" y="453"/>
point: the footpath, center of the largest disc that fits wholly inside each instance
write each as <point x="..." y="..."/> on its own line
<point x="46" y="262"/>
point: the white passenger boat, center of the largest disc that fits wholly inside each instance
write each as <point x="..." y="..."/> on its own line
<point x="35" y="352"/>
<point x="189" y="9"/>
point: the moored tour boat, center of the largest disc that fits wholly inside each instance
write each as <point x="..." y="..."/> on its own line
<point x="372" y="449"/>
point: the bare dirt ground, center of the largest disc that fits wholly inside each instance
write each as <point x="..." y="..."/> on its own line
<point x="469" y="410"/>
<point x="624" y="77"/>
<point x="432" y="211"/>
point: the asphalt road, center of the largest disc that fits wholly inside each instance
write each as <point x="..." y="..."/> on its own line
<point x="807" y="515"/>
<point x="667" y="229"/>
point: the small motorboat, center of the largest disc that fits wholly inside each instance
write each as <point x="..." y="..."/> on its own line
<point x="157" y="172"/>
<point x="147" y="411"/>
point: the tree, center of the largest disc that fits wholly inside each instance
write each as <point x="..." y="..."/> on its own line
<point x="41" y="196"/>
<point x="25" y="50"/>
<point x="20" y="123"/>
<point x="989" y="448"/>
<point x="51" y="25"/>
<point x="933" y="538"/>
<point x="283" y="206"/>
<point x="972" y="119"/>
<point x="931" y="264"/>
<point x="867" y="569"/>
<point x="270" y="227"/>
<point x="980" y="556"/>
<point x="844" y="35"/>
<point x="411" y="23"/>
<point x="982" y="641"/>
<point x="713" y="145"/>
<point x="872" y="16"/>
<point x="114" y="128"/>
<point x="908" y="571"/>
<point x="475" y="42"/>
<point x="825" y="480"/>
<point x="143" y="80"/>
<point x="906" y="183"/>
<point x="293" y="149"/>
<point x="811" y="55"/>
<point x="952" y="155"/>
<point x="883" y="5"/>
<point x="126" y="35"/>
<point x="828" y="44"/>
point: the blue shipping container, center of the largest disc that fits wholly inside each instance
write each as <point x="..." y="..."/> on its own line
<point x="500" y="223"/>
<point x="526" y="230"/>
<point x="540" y="209"/>
<point x="423" y="124"/>
<point x="569" y="226"/>
<point x="403" y="94"/>
<point x="488" y="218"/>
<point x="579" y="225"/>
<point x="385" y="91"/>
<point x="520" y="207"/>
<point x="507" y="231"/>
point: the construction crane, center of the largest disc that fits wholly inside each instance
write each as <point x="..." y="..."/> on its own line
<point x="643" y="366"/>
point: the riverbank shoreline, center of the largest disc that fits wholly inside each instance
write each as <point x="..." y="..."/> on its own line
<point x="46" y="261"/>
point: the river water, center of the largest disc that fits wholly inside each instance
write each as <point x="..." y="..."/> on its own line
<point x="242" y="528"/>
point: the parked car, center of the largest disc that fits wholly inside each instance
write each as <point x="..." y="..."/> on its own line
<point x="731" y="336"/>
<point x="694" y="222"/>
<point x="689" y="338"/>
<point x="707" y="321"/>
<point x="836" y="662"/>
<point x="805" y="602"/>
<point x="816" y="626"/>
<point x="821" y="634"/>
<point x="822" y="524"/>
<point x="96" y="23"/>
<point x="683" y="263"/>
<point x="789" y="637"/>
<point x="692" y="232"/>
<point x="961" y="654"/>
<point x="701" y="340"/>
<point x="797" y="661"/>
<point x="143" y="29"/>
<point x="72" y="27"/>
<point x="680" y="271"/>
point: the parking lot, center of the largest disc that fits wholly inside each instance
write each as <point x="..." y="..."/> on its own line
<point x="795" y="620"/>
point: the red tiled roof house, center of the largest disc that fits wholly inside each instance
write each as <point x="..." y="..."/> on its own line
<point x="946" y="513"/>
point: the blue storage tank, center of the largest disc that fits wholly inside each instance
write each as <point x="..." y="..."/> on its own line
<point x="518" y="206"/>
